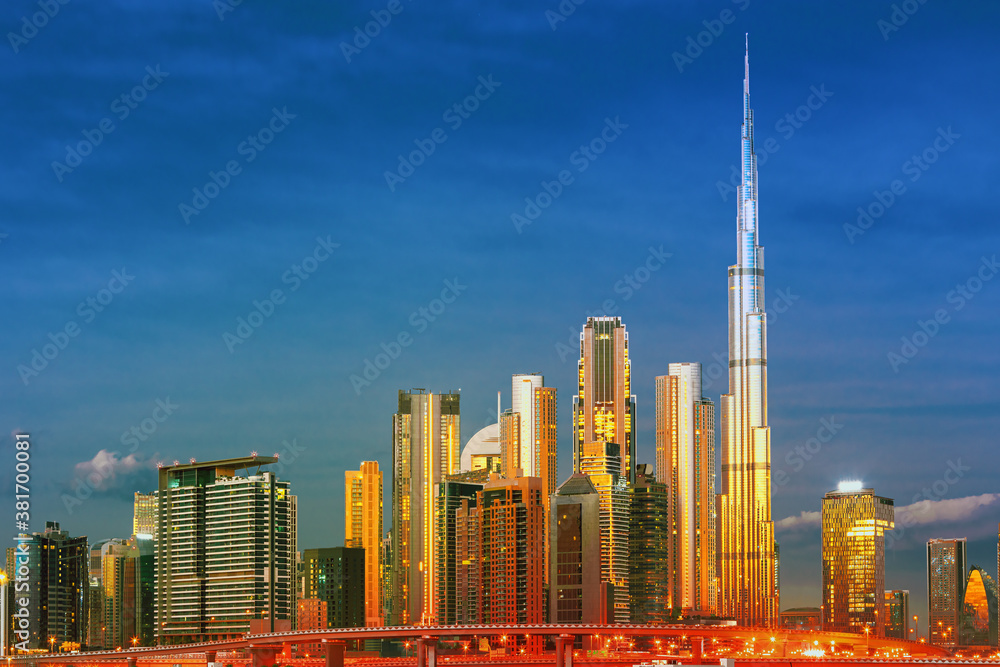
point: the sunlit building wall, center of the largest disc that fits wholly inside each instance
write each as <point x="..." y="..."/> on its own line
<point x="426" y="441"/>
<point x="854" y="525"/>
<point x="363" y="528"/>
<point x="946" y="562"/>
<point x="979" y="610"/>
<point x="144" y="514"/>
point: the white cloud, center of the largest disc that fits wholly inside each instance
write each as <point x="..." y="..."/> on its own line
<point x="108" y="470"/>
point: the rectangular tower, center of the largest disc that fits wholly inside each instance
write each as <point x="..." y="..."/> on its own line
<point x="604" y="408"/>
<point x="453" y="495"/>
<point x="897" y="614"/>
<point x="946" y="565"/>
<point x="363" y="528"/>
<point x="144" y="514"/>
<point x="575" y="559"/>
<point x="854" y="525"/>
<point x="649" y="534"/>
<point x="336" y="576"/>
<point x="425" y="449"/>
<point x="748" y="590"/>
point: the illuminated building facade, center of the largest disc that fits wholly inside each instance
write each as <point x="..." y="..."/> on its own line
<point x="363" y="528"/>
<point x="685" y="455"/>
<point x="311" y="615"/>
<point x="946" y="562"/>
<point x="225" y="550"/>
<point x="425" y="450"/>
<point x="854" y="525"/>
<point x="604" y="408"/>
<point x="336" y="576"/>
<point x="979" y="611"/>
<point x="144" y="514"/>
<point x="748" y="590"/>
<point x="453" y="495"/>
<point x="577" y="593"/>
<point x="601" y="461"/>
<point x="649" y="533"/>
<point x="897" y="614"/>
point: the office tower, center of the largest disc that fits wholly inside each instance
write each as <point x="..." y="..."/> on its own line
<point x="144" y="514"/>
<point x="482" y="451"/>
<point x="363" y="528"/>
<point x="979" y="611"/>
<point x="854" y="525"/>
<point x="747" y="588"/>
<point x="604" y="408"/>
<point x="946" y="559"/>
<point x="58" y="588"/>
<point x="425" y="449"/>
<point x="601" y="461"/>
<point x="225" y="550"/>
<point x="337" y="577"/>
<point x="649" y="534"/>
<point x="897" y="614"/>
<point x="452" y="496"/>
<point x="575" y="594"/>
<point x="685" y="455"/>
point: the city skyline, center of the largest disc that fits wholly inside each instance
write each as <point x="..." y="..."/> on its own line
<point x="152" y="377"/>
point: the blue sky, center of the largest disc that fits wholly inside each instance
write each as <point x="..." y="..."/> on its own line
<point x="327" y="131"/>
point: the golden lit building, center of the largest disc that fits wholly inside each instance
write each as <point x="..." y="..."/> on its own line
<point x="685" y="462"/>
<point x="311" y="615"/>
<point x="425" y="449"/>
<point x="144" y="514"/>
<point x="603" y="408"/>
<point x="979" y="611"/>
<point x="946" y="560"/>
<point x="897" y="614"/>
<point x="854" y="525"/>
<point x="363" y="528"/>
<point x="601" y="462"/>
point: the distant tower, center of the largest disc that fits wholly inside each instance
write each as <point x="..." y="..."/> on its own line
<point x="363" y="528"/>
<point x="575" y="562"/>
<point x="144" y="514"/>
<point x="425" y="450"/>
<point x="604" y="408"/>
<point x="748" y="591"/>
<point x="946" y="562"/>
<point x="649" y="535"/>
<point x="854" y="525"/>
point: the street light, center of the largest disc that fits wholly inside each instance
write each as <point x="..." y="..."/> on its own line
<point x="52" y="643"/>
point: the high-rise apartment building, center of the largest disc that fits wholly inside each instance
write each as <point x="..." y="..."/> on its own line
<point x="336" y="576"/>
<point x="601" y="461"/>
<point x="748" y="590"/>
<point x="946" y="563"/>
<point x="58" y="588"/>
<point x="225" y="550"/>
<point x="604" y="407"/>
<point x="577" y="592"/>
<point x="363" y="528"/>
<point x="425" y="450"/>
<point x="649" y="534"/>
<point x="453" y="495"/>
<point x="685" y="456"/>
<point x="144" y="514"/>
<point x="897" y="614"/>
<point x="854" y="525"/>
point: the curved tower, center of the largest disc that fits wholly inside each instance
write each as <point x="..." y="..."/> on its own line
<point x="748" y="590"/>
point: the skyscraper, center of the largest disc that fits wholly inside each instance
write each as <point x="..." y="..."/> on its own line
<point x="453" y="495"/>
<point x="649" y="534"/>
<point x="685" y="455"/>
<point x="336" y="576"/>
<point x="604" y="408"/>
<point x="225" y="550"/>
<point x="946" y="560"/>
<point x="854" y="525"/>
<point x="144" y="514"/>
<point x="979" y="611"/>
<point x="576" y="595"/>
<point x="425" y="449"/>
<point x="601" y="461"/>
<point x="126" y="592"/>
<point x="748" y="590"/>
<point x="897" y="614"/>
<point x="363" y="528"/>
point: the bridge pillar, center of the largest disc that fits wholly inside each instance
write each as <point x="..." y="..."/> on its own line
<point x="130" y="661"/>
<point x="564" y="650"/>
<point x="209" y="658"/>
<point x="334" y="649"/>
<point x="263" y="656"/>
<point x="426" y="651"/>
<point x="697" y="648"/>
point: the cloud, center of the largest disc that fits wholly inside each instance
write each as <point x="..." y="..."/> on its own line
<point x="108" y="470"/>
<point x="803" y="520"/>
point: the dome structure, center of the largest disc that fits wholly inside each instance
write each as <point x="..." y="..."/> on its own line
<point x="483" y="447"/>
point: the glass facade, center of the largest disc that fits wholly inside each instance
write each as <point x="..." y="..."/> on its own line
<point x="945" y="588"/>
<point x="363" y="528"/>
